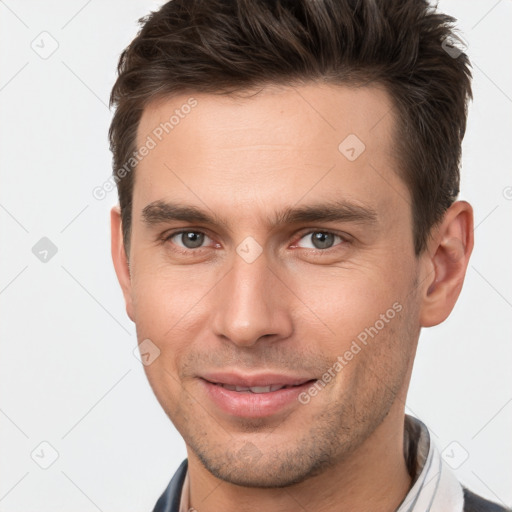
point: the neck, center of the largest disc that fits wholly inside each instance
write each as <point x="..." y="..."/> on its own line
<point x="374" y="477"/>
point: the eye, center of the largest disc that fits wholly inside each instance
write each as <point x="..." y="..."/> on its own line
<point x="320" y="240"/>
<point x="188" y="239"/>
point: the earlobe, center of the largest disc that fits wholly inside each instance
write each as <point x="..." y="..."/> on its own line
<point x="120" y="260"/>
<point x="447" y="259"/>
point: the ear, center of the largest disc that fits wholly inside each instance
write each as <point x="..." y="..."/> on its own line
<point x="120" y="259"/>
<point x="445" y="262"/>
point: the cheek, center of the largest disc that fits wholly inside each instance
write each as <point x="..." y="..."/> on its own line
<point x="372" y="345"/>
<point x="165" y="304"/>
<point x="347" y="302"/>
<point x="172" y="309"/>
<point x="166" y="297"/>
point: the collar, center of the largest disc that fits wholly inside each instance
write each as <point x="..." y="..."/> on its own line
<point x="434" y="487"/>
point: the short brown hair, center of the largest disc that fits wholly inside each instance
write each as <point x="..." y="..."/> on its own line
<point x="225" y="46"/>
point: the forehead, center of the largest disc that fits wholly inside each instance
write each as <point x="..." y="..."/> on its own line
<point x="278" y="146"/>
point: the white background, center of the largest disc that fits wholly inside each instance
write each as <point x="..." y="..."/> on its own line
<point x="67" y="372"/>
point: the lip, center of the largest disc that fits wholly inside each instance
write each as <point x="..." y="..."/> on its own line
<point x="261" y="379"/>
<point x="245" y="404"/>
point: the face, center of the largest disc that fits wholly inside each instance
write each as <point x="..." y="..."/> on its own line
<point x="272" y="243"/>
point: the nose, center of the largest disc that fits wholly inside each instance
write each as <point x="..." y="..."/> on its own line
<point x="252" y="303"/>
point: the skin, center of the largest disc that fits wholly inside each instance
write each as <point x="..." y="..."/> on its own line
<point x="296" y="308"/>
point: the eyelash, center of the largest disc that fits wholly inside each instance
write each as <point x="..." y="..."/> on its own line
<point x="344" y="240"/>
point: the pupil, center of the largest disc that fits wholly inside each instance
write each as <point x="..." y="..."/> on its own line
<point x="192" y="240"/>
<point x="323" y="240"/>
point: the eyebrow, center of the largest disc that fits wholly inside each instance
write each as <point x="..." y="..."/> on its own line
<point x="159" y="212"/>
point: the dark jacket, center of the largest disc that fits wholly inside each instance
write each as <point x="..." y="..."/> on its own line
<point x="170" y="499"/>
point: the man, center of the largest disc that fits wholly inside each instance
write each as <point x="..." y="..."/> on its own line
<point x="287" y="175"/>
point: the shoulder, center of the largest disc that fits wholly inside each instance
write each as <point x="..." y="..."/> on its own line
<point x="169" y="501"/>
<point x="475" y="503"/>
